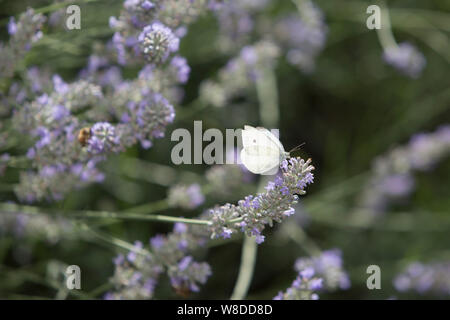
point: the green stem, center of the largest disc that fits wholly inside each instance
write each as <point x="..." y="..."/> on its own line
<point x="89" y="214"/>
<point x="112" y="240"/>
<point x="384" y="34"/>
<point x="297" y="234"/>
<point x="248" y="259"/>
<point x="267" y="92"/>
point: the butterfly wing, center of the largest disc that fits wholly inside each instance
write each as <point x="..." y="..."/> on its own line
<point x="262" y="151"/>
<point x="261" y="159"/>
<point x="269" y="135"/>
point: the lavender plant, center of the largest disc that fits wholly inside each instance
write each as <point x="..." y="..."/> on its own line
<point x="65" y="127"/>
<point x="302" y="35"/>
<point x="303" y="287"/>
<point x="172" y="252"/>
<point x="392" y="175"/>
<point x="329" y="267"/>
<point x="422" y="278"/>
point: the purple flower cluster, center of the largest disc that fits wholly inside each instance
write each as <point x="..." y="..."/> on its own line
<point x="145" y="119"/>
<point x="329" y="266"/>
<point x="236" y="20"/>
<point x="23" y="33"/>
<point x="303" y="35"/>
<point x="172" y="252"/>
<point x="137" y="273"/>
<point x="75" y="125"/>
<point x="253" y="213"/>
<point x="304" y="286"/>
<point x="392" y="174"/>
<point x="423" y="278"/>
<point x="103" y="138"/>
<point x="58" y="164"/>
<point x="406" y="59"/>
<point x="36" y="226"/>
<point x="152" y="29"/>
<point x="157" y="42"/>
<point x="240" y="73"/>
<point x="186" y="197"/>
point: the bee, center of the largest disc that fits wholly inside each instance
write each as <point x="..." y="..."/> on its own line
<point x="182" y="291"/>
<point x="84" y="135"/>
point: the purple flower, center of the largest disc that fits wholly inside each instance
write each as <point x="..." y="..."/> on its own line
<point x="195" y="195"/>
<point x="405" y="58"/>
<point x="103" y="138"/>
<point x="226" y="233"/>
<point x="307" y="273"/>
<point x="157" y="241"/>
<point x="181" y="68"/>
<point x="12" y="26"/>
<point x="397" y="185"/>
<point x="422" y="278"/>
<point x="316" y="284"/>
<point x="184" y="263"/>
<point x="119" y="260"/>
<point x="157" y="41"/>
<point x="260" y="239"/>
<point x="147" y="5"/>
<point x="180" y="227"/>
<point x="182" y="245"/>
<point x="289" y="212"/>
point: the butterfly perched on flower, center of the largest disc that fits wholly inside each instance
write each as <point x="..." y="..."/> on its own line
<point x="262" y="152"/>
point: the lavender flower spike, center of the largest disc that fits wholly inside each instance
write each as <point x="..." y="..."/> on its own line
<point x="303" y="287"/>
<point x="405" y="58"/>
<point x="103" y="138"/>
<point x="423" y="278"/>
<point x="252" y="214"/>
<point x="157" y="42"/>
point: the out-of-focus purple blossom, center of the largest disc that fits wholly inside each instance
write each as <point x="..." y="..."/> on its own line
<point x="392" y="174"/>
<point x="240" y="73"/>
<point x="423" y="278"/>
<point x="397" y="185"/>
<point x="180" y="68"/>
<point x="168" y="254"/>
<point x="35" y="226"/>
<point x="157" y="242"/>
<point x="187" y="197"/>
<point x="303" y="287"/>
<point x="302" y="35"/>
<point x="12" y="26"/>
<point x="236" y="21"/>
<point x="328" y="266"/>
<point x="405" y="58"/>
<point x="135" y="277"/>
<point x="23" y="33"/>
<point x="188" y="274"/>
<point x="180" y="227"/>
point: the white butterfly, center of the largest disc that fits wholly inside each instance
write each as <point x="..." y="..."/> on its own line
<point x="262" y="152"/>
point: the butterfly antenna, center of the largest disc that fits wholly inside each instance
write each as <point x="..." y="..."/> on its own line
<point x="297" y="147"/>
